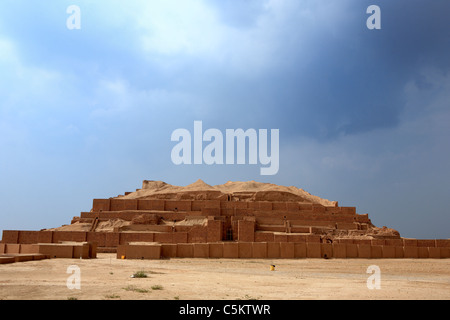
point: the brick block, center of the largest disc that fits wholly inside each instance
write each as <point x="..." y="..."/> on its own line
<point x="147" y="236"/>
<point x="29" y="248"/>
<point x="12" y="248"/>
<point x="339" y="250"/>
<point x="246" y="231"/>
<point x="364" y="251"/>
<point x="123" y="204"/>
<point x="434" y="253"/>
<point x="2" y="248"/>
<point x="445" y="252"/>
<point x="121" y="251"/>
<point x="300" y="250"/>
<point x="393" y="242"/>
<point x="197" y="234"/>
<point x="443" y="243"/>
<point x="348" y="210"/>
<point x="81" y="251"/>
<point x="279" y="206"/>
<point x="180" y="237"/>
<point x="265" y="206"/>
<point x="6" y="260"/>
<point x="313" y="250"/>
<point x="399" y="252"/>
<point x="56" y="250"/>
<point x="280" y="237"/>
<point x="215" y="204"/>
<point x="201" y="250"/>
<point x="326" y="250"/>
<point x="305" y="206"/>
<point x="45" y="237"/>
<point x="93" y="250"/>
<point x="377" y="242"/>
<point x="259" y="250"/>
<point x="216" y="250"/>
<point x="410" y="242"/>
<point x="273" y="250"/>
<point x="264" y="236"/>
<point x="211" y="212"/>
<point x="296" y="238"/>
<point x="126" y="237"/>
<point x="287" y="250"/>
<point x="10" y="236"/>
<point x="151" y="205"/>
<point x="245" y="249"/>
<point x="411" y="252"/>
<point x="422" y="252"/>
<point x="376" y="252"/>
<point x="426" y="243"/>
<point x="300" y="229"/>
<point x="76" y="236"/>
<point x="101" y="205"/>
<point x="313" y="238"/>
<point x="318" y="208"/>
<point x="171" y="205"/>
<point x="388" y="252"/>
<point x="352" y="250"/>
<point x="112" y="239"/>
<point x="28" y="237"/>
<point x="362" y="241"/>
<point x="168" y="250"/>
<point x="24" y="258"/>
<point x="214" y="231"/>
<point x="185" y="250"/>
<point x="163" y="237"/>
<point x="137" y="251"/>
<point x="230" y="250"/>
<point x="347" y="226"/>
<point x="96" y="237"/>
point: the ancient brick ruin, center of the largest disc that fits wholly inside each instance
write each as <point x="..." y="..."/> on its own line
<point x="234" y="220"/>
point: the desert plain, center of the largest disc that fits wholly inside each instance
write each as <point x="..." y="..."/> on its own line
<point x="109" y="278"/>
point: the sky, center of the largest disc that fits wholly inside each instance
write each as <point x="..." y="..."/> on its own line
<point x="363" y="114"/>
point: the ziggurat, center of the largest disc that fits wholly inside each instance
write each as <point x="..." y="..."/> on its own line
<point x="233" y="220"/>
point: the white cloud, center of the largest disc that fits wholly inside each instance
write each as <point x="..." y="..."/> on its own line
<point x="25" y="88"/>
<point x="191" y="28"/>
<point x="114" y="98"/>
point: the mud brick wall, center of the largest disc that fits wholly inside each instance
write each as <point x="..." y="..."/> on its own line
<point x="214" y="230"/>
<point x="139" y="251"/>
<point x="76" y="236"/>
<point x="123" y="204"/>
<point x="246" y="230"/>
<point x="197" y="234"/>
<point x="286" y="250"/>
<point x="10" y="236"/>
<point x="178" y="206"/>
<point x="151" y="205"/>
<point x="101" y="205"/>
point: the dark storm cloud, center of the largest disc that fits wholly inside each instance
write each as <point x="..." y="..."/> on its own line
<point x="355" y="80"/>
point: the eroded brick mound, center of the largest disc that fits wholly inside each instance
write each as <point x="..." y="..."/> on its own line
<point x="275" y="211"/>
<point x="230" y="191"/>
<point x="232" y="220"/>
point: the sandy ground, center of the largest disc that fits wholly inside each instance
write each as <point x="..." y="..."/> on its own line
<point x="107" y="278"/>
